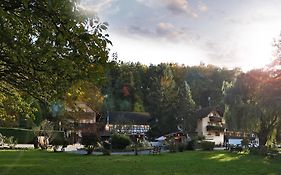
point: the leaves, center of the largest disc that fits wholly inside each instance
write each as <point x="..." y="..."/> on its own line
<point x="47" y="46"/>
<point x="254" y="102"/>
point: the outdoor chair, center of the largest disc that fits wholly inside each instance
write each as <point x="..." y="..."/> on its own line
<point x="155" y="150"/>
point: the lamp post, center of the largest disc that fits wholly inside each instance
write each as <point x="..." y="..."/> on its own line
<point x="107" y="113"/>
<point x="107" y="128"/>
<point x="56" y="109"/>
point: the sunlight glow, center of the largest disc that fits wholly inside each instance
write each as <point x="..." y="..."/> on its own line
<point x="224" y="158"/>
<point x="133" y="50"/>
<point x="256" y="45"/>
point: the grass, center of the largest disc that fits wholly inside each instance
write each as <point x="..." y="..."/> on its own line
<point x="195" y="162"/>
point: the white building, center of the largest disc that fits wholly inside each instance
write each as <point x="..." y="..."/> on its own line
<point x="211" y="125"/>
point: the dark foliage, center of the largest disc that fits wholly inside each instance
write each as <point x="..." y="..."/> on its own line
<point x="120" y="141"/>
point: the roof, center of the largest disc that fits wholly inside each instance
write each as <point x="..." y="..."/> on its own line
<point x="80" y="115"/>
<point x="137" y="118"/>
<point x="201" y="113"/>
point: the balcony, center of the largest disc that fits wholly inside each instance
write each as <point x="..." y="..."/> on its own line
<point x="219" y="128"/>
<point x="215" y="119"/>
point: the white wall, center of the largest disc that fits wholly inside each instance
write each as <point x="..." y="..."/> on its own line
<point x="202" y="131"/>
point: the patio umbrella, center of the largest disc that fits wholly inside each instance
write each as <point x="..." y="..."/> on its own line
<point x="161" y="138"/>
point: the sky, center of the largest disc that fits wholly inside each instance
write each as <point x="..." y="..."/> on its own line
<point x="225" y="33"/>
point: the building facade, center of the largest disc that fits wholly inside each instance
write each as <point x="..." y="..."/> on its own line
<point x="130" y="123"/>
<point x="211" y="125"/>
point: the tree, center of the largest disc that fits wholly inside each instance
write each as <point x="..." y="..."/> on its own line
<point x="16" y="109"/>
<point x="205" y="83"/>
<point x="185" y="108"/>
<point x="47" y="45"/>
<point x="255" y="100"/>
<point x="83" y="96"/>
<point x="160" y="99"/>
<point x="86" y="93"/>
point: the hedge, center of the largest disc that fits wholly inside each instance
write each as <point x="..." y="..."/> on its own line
<point x="120" y="141"/>
<point x="26" y="136"/>
<point x="207" y="146"/>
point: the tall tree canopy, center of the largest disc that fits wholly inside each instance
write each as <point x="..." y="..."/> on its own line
<point x="166" y="91"/>
<point x="47" y="45"/>
<point x="254" y="103"/>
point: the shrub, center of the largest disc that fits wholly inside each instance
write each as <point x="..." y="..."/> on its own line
<point x="172" y="146"/>
<point x="1" y="139"/>
<point x="10" y="141"/>
<point x="58" y="138"/>
<point x="56" y="142"/>
<point x="106" y="148"/>
<point x="264" y="151"/>
<point x="120" y="141"/>
<point x="26" y="136"/>
<point x="106" y="145"/>
<point x="207" y="146"/>
<point x="254" y="150"/>
<point x="22" y="136"/>
<point x="181" y="147"/>
<point x="191" y="145"/>
<point x="90" y="141"/>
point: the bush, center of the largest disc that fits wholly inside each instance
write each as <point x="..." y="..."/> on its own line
<point x="207" y="146"/>
<point x="1" y="139"/>
<point x="26" y="136"/>
<point x="106" y="145"/>
<point x="22" y="136"/>
<point x="181" y="147"/>
<point x="264" y="151"/>
<point x="58" y="138"/>
<point x="254" y="150"/>
<point x="90" y="141"/>
<point x="57" y="142"/>
<point x="120" y="141"/>
<point x="172" y="147"/>
<point x="10" y="141"/>
<point x="191" y="145"/>
<point x="106" y="148"/>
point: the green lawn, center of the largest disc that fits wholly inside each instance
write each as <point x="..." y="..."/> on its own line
<point x="195" y="162"/>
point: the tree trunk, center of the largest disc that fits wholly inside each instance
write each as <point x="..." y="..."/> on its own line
<point x="263" y="134"/>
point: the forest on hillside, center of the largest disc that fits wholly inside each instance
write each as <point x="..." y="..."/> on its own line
<point x="172" y="94"/>
<point x="53" y="58"/>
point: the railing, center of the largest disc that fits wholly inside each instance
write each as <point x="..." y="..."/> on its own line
<point x="215" y="128"/>
<point x="215" y="119"/>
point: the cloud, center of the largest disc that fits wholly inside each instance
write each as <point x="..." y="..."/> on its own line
<point x="134" y="29"/>
<point x="202" y="7"/>
<point x="92" y="7"/>
<point x="162" y="30"/>
<point x="177" y="7"/>
<point x="169" y="31"/>
<point x="148" y="3"/>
